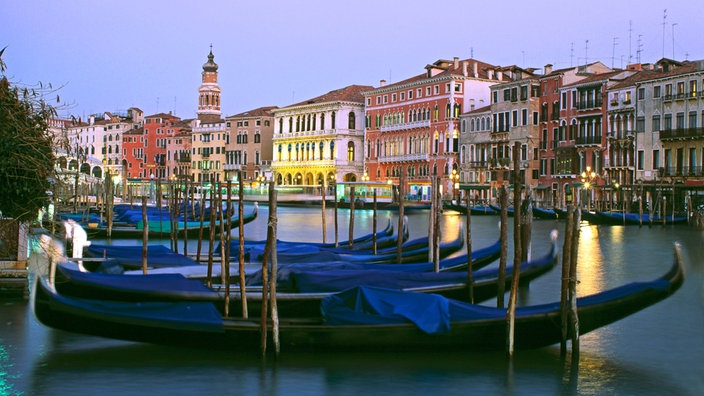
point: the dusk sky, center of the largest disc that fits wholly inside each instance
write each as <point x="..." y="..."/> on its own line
<point x="112" y="55"/>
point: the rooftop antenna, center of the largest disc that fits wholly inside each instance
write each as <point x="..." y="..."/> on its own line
<point x="664" y="22"/>
<point x="613" y="52"/>
<point x="524" y="58"/>
<point x="157" y="104"/>
<point x="640" y="48"/>
<point x="571" y="54"/>
<point x="586" y="52"/>
<point x="174" y="105"/>
<point x="673" y="40"/>
<point x="630" y="33"/>
<point x="471" y="52"/>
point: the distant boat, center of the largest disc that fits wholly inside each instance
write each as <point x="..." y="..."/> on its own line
<point x="162" y="227"/>
<point x="360" y="318"/>
<point x="620" y="218"/>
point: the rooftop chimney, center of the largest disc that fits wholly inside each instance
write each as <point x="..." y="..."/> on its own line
<point x="382" y="83"/>
<point x="474" y="70"/>
<point x="464" y="68"/>
<point x="548" y="69"/>
<point x="456" y="60"/>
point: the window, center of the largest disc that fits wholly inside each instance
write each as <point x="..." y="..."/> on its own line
<point x="680" y="120"/>
<point x="656" y="123"/>
<point x="495" y="97"/>
<point x="393" y="97"/>
<point x="641" y="93"/>
<point x="668" y="122"/>
<point x="410" y="94"/>
<point x="640" y="124"/>
<point x="692" y="119"/>
<point x="535" y="118"/>
<point x="563" y="103"/>
<point x="427" y="91"/>
<point x="386" y="98"/>
<point x="656" y="91"/>
<point x="668" y="90"/>
<point x="641" y="157"/>
<point x="436" y="89"/>
<point x="693" y="89"/>
<point x="420" y="92"/>
<point x="350" y="151"/>
<point x="352" y="122"/>
<point x="403" y="96"/>
<point x="656" y="159"/>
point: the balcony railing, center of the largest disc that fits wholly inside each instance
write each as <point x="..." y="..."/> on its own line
<point x="404" y="157"/>
<point x="405" y="125"/>
<point x="682" y="171"/>
<point x="682" y="133"/>
<point x="589" y="104"/>
<point x="588" y="140"/>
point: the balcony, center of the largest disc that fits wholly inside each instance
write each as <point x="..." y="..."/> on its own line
<point x="183" y="158"/>
<point x="232" y="167"/>
<point x="588" y="141"/>
<point x="404" y="158"/>
<point x="589" y="104"/>
<point x="682" y="134"/>
<point x="682" y="171"/>
<point x="405" y="126"/>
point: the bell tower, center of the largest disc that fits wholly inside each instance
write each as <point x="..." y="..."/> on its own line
<point x="209" y="92"/>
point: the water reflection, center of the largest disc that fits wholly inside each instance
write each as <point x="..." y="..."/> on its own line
<point x="590" y="271"/>
<point x="144" y="369"/>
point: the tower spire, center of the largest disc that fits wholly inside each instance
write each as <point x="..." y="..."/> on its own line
<point x="209" y="91"/>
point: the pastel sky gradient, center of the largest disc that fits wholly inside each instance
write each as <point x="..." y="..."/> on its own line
<point x="111" y="55"/>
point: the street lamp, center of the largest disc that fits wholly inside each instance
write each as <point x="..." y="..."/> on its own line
<point x="365" y="177"/>
<point x="588" y="181"/>
<point x="617" y="189"/>
<point x="455" y="177"/>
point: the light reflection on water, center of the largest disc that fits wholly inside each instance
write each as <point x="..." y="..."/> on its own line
<point x="656" y="351"/>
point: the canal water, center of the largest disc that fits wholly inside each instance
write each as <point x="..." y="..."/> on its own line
<point x="654" y="352"/>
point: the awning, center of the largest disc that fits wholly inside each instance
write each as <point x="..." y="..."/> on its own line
<point x="474" y="186"/>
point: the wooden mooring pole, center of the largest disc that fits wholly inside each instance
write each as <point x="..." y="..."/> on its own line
<point x="401" y="233"/>
<point x="274" y="269"/>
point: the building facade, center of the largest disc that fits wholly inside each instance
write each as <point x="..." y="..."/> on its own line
<point x="249" y="145"/>
<point x="321" y="139"/>
<point x="412" y="126"/>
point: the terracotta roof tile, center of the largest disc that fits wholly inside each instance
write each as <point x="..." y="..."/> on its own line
<point x="351" y="93"/>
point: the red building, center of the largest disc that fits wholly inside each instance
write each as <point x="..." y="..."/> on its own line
<point x="144" y="150"/>
<point x="412" y="126"/>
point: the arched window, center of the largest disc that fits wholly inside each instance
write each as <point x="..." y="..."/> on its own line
<point x="457" y="110"/>
<point x="352" y="121"/>
<point x="332" y="149"/>
<point x="290" y="124"/>
<point x="448" y="111"/>
<point x="436" y="113"/>
<point x="333" y="120"/>
<point x="320" y="148"/>
<point x="322" y="121"/>
<point x="350" y="151"/>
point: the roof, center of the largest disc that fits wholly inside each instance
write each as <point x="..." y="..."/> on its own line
<point x="351" y="93"/>
<point x="258" y="112"/>
<point x="595" y="78"/>
<point x="446" y="68"/>
<point x="483" y="109"/>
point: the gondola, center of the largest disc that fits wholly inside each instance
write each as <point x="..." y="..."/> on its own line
<point x="475" y="210"/>
<point x="620" y="218"/>
<point x="299" y="289"/>
<point x="388" y="319"/>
